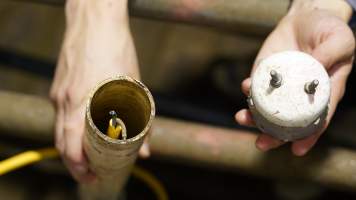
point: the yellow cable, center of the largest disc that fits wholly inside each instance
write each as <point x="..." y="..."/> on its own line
<point x="151" y="181"/>
<point x="155" y="185"/>
<point x="32" y="156"/>
<point x="114" y="132"/>
<point x="26" y="158"/>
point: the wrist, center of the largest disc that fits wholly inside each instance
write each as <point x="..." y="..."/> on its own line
<point x="339" y="8"/>
<point x="108" y="11"/>
<point x="98" y="31"/>
<point x="97" y="20"/>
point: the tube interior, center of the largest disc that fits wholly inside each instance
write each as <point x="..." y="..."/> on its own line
<point x="130" y="102"/>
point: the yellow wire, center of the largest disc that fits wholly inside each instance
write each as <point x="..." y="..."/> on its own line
<point x="26" y="158"/>
<point x="113" y="132"/>
<point x="32" y="156"/>
<point x="151" y="181"/>
<point x="140" y="173"/>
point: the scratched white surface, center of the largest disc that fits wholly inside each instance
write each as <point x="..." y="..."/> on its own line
<point x="289" y="105"/>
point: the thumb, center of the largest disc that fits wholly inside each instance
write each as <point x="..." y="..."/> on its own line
<point x="336" y="47"/>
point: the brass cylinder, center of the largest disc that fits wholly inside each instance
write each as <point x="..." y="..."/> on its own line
<point x="112" y="159"/>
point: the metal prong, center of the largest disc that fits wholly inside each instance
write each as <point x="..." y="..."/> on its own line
<point x="113" y="117"/>
<point x="310" y="87"/>
<point x="276" y="79"/>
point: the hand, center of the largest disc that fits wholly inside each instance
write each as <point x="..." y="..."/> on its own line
<point x="328" y="39"/>
<point x="97" y="45"/>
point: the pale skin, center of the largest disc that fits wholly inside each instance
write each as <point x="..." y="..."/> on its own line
<point x="311" y="27"/>
<point x="98" y="45"/>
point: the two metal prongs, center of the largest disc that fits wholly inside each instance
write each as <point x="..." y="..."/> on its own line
<point x="277" y="79"/>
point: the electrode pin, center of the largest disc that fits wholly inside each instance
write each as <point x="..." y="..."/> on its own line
<point x="276" y="79"/>
<point x="113" y="117"/>
<point x="310" y="87"/>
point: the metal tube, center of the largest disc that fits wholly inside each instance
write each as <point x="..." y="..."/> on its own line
<point x="252" y="16"/>
<point x="204" y="145"/>
<point x="113" y="159"/>
<point x="234" y="150"/>
<point x="31" y="117"/>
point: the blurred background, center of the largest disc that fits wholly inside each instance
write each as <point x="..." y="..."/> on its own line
<point x="194" y="73"/>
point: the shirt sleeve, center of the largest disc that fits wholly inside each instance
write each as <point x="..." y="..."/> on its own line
<point x="352" y="3"/>
<point x="352" y="22"/>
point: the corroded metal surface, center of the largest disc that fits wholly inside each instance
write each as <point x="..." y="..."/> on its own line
<point x="204" y="145"/>
<point x="252" y="16"/>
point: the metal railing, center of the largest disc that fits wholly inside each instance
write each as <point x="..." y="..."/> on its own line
<point x="256" y="17"/>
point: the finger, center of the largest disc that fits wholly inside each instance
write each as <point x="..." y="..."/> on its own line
<point x="245" y="86"/>
<point x="144" y="151"/>
<point x="59" y="141"/>
<point x="300" y="148"/>
<point x="244" y="118"/>
<point x="75" y="159"/>
<point x="336" y="47"/>
<point x="74" y="155"/>
<point x="73" y="136"/>
<point x="338" y="78"/>
<point x="266" y="142"/>
<point x="338" y="82"/>
<point x="86" y="176"/>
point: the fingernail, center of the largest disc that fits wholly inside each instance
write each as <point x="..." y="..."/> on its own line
<point x="145" y="150"/>
<point x="301" y="152"/>
<point x="262" y="146"/>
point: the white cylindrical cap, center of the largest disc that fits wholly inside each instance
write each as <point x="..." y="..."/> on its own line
<point x="288" y="104"/>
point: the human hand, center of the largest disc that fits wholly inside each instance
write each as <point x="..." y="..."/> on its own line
<point x="97" y="45"/>
<point x="328" y="39"/>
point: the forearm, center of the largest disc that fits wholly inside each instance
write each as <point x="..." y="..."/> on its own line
<point x="109" y="10"/>
<point x="98" y="36"/>
<point x="339" y="8"/>
<point x="97" y="45"/>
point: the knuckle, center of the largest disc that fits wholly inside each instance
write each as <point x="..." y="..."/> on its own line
<point x="68" y="96"/>
<point x="52" y="95"/>
<point x="71" y="97"/>
<point x="57" y="97"/>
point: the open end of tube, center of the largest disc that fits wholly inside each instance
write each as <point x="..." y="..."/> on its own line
<point x="129" y="99"/>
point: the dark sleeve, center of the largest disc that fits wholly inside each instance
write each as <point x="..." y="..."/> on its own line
<point x="352" y="22"/>
<point x="352" y="3"/>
